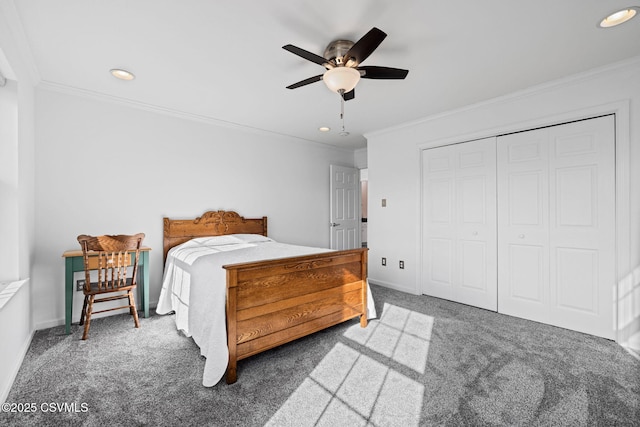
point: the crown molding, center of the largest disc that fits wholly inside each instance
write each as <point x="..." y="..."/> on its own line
<point x="99" y="96"/>
<point x="514" y="96"/>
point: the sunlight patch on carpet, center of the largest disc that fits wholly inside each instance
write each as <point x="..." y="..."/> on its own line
<point x="400" y="334"/>
<point x="348" y="387"/>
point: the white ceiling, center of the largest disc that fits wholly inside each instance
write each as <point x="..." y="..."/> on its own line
<point x="224" y="60"/>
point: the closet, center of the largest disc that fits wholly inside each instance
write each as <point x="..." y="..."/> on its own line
<point x="551" y="225"/>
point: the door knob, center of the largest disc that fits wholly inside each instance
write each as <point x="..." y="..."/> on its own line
<point x="334" y="224"/>
<point x="520" y="236"/>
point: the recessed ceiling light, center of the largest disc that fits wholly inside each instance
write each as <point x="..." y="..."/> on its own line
<point x="122" y="74"/>
<point x="618" y="17"/>
<point x="324" y="128"/>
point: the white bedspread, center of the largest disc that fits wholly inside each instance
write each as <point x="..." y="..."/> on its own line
<point x="194" y="287"/>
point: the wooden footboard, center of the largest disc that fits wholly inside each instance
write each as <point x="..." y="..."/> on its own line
<point x="272" y="302"/>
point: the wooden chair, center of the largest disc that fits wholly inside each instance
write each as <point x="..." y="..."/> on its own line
<point x="110" y="256"/>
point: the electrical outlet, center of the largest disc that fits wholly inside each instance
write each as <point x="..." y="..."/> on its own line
<point x="80" y="285"/>
<point x="401" y="264"/>
<point x="384" y="261"/>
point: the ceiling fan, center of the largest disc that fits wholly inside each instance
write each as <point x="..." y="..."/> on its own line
<point x="342" y="59"/>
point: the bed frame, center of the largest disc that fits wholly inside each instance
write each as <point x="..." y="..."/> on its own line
<point x="273" y="302"/>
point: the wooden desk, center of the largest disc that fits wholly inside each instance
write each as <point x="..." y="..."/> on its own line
<point x="74" y="263"/>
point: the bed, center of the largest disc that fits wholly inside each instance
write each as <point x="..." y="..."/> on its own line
<point x="228" y="282"/>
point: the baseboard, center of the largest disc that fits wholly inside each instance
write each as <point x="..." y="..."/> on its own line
<point x="23" y="352"/>
<point x="632" y="351"/>
<point x="49" y="324"/>
<point x="632" y="345"/>
<point x="60" y="322"/>
<point x="393" y="286"/>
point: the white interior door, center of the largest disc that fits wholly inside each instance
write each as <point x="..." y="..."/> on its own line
<point x="345" y="207"/>
<point x="459" y="223"/>
<point x="556" y="216"/>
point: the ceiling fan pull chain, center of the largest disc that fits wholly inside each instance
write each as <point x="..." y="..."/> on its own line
<point x="344" y="132"/>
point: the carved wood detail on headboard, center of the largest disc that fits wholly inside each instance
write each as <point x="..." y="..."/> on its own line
<point x="211" y="223"/>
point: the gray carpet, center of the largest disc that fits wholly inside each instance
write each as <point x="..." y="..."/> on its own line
<point x="426" y="361"/>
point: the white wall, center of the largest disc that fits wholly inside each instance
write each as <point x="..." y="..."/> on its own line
<point x="15" y="333"/>
<point x="17" y="199"/>
<point x="88" y="150"/>
<point x="394" y="166"/>
<point x="16" y="229"/>
<point x="9" y="181"/>
<point x="360" y="158"/>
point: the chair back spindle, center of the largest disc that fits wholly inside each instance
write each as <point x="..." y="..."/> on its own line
<point x="110" y="256"/>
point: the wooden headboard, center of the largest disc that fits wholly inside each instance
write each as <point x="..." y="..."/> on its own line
<point x="212" y="223"/>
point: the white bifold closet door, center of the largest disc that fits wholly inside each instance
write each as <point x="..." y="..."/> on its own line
<point x="556" y="225"/>
<point x="459" y="223"/>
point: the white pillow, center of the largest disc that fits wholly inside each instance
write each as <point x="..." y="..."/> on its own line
<point x="252" y="238"/>
<point x="216" y="240"/>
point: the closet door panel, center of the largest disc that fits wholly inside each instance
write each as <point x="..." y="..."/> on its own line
<point x="473" y="262"/>
<point x="526" y="265"/>
<point x="473" y="256"/>
<point x="439" y="222"/>
<point x="441" y="265"/>
<point x="526" y="192"/>
<point x="459" y="224"/>
<point x="523" y="223"/>
<point x="582" y="226"/>
<point x="476" y="224"/>
<point x="576" y="279"/>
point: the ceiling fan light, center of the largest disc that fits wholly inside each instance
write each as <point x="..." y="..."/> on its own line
<point x="341" y="78"/>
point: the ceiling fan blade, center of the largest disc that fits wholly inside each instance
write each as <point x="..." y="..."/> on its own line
<point x="306" y="82"/>
<point x="306" y="54"/>
<point x="373" y="72"/>
<point x="348" y="96"/>
<point x="365" y="46"/>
